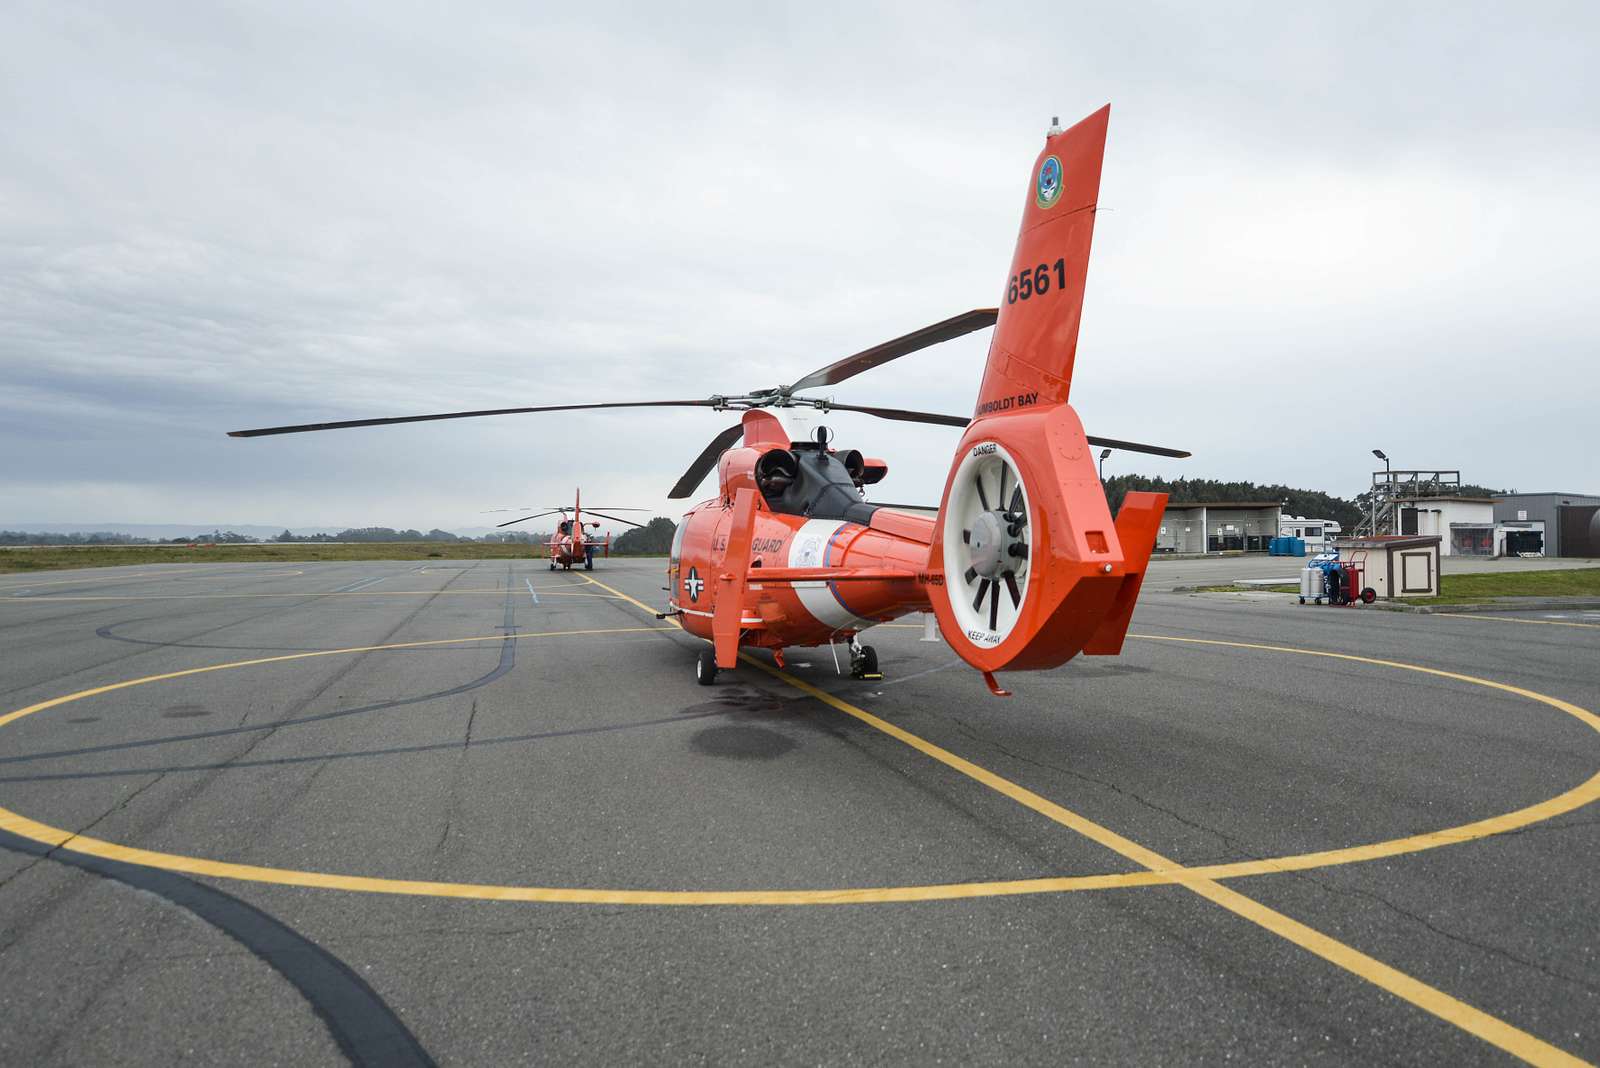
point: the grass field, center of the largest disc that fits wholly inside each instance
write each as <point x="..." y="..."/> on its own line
<point x="60" y="557"/>
<point x="1469" y="589"/>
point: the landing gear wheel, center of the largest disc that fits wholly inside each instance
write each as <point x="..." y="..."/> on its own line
<point x="1302" y="600"/>
<point x="864" y="663"/>
<point x="705" y="667"/>
<point x="1369" y="595"/>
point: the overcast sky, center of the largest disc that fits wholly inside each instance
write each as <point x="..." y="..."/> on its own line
<point x="1329" y="230"/>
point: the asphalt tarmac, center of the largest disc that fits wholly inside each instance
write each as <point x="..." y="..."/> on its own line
<point x="479" y="813"/>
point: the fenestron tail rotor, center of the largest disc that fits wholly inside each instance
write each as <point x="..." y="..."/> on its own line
<point x="987" y="543"/>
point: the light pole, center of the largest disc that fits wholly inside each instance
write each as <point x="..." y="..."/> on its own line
<point x="1379" y="453"/>
<point x="1103" y="454"/>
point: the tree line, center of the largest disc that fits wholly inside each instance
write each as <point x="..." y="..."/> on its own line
<point x="1312" y="504"/>
<point x="654" y="538"/>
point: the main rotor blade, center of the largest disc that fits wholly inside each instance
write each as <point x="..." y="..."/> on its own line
<point x="524" y="519"/>
<point x="1134" y="446"/>
<point x="705" y="462"/>
<point x="904" y="415"/>
<point x="607" y="507"/>
<point x="907" y="416"/>
<point x="347" y="423"/>
<point x="867" y="359"/>
<point x="602" y="515"/>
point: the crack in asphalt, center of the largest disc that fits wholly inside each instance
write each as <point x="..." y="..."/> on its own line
<point x="1460" y="939"/>
<point x="1228" y="840"/>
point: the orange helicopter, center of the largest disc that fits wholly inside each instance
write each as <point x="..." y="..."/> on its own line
<point x="1022" y="563"/>
<point x="570" y="544"/>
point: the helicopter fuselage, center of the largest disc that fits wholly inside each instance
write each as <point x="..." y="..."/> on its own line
<point x="807" y="612"/>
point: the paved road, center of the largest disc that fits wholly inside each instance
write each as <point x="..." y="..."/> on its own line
<point x="579" y="758"/>
<point x="1219" y="570"/>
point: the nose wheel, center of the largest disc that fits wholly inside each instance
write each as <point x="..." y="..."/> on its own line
<point x="705" y="666"/>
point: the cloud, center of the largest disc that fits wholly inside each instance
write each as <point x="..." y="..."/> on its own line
<point x="237" y="215"/>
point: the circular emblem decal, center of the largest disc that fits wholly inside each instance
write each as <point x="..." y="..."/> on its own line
<point x="694" y="584"/>
<point x="1049" y="189"/>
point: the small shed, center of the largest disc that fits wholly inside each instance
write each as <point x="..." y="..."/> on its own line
<point x="1396" y="565"/>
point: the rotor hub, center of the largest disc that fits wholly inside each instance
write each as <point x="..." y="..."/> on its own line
<point x="990" y="544"/>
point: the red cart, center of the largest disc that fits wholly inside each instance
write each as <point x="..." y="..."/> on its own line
<point x="1345" y="582"/>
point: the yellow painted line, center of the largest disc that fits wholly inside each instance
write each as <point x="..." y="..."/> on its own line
<point x="1513" y="619"/>
<point x="1430" y="999"/>
<point x="58" y="838"/>
<point x="1452" y="1010"/>
<point x="96" y="691"/>
<point x="1584" y="793"/>
<point x="64" y="839"/>
<point x="1159" y="869"/>
<point x="288" y="593"/>
<point x="1565" y="802"/>
<point x="188" y="571"/>
<point x="79" y="581"/>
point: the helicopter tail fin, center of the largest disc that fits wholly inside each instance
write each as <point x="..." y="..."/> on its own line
<point x="1036" y="338"/>
<point x="1027" y="568"/>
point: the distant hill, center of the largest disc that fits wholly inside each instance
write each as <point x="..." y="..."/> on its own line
<point x="168" y="531"/>
<point x="158" y="531"/>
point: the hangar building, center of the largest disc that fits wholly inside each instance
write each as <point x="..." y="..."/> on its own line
<point x="1571" y="520"/>
<point x="1218" y="527"/>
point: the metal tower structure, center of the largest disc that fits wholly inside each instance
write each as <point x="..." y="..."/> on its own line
<point x="1389" y="487"/>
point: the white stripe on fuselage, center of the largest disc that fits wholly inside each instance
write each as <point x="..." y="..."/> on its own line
<point x="809" y="548"/>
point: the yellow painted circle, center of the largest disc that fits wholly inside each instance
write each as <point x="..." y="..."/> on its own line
<point x="1580" y="795"/>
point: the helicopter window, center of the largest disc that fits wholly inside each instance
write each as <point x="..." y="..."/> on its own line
<point x="676" y="552"/>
